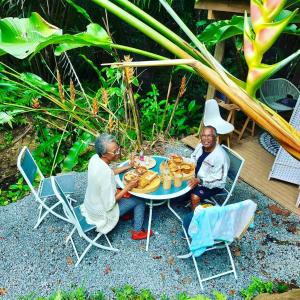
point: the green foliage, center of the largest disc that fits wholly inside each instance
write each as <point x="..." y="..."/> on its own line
<point x="14" y="192"/>
<point x="222" y="30"/>
<point x="153" y="108"/>
<point x="257" y="287"/>
<point x="127" y="292"/>
<point x="75" y="151"/>
<point x="14" y="40"/>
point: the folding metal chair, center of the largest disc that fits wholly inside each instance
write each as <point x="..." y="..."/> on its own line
<point x="30" y="170"/>
<point x="236" y="164"/>
<point x="80" y="225"/>
<point x="241" y="219"/>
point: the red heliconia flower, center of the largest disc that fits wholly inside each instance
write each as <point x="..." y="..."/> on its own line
<point x="35" y="103"/>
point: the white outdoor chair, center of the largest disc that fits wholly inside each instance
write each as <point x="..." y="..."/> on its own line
<point x="239" y="216"/>
<point x="80" y="225"/>
<point x="236" y="165"/>
<point x="212" y="117"/>
<point x="30" y="170"/>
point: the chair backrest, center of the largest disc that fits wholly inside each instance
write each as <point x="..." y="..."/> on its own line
<point x="212" y="117"/>
<point x="236" y="164"/>
<point x="28" y="167"/>
<point x="278" y="88"/>
<point x="67" y="207"/>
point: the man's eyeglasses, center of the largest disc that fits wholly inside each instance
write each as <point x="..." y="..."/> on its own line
<point x="207" y="135"/>
<point x="115" y="152"/>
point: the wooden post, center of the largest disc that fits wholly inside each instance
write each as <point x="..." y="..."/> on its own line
<point x="218" y="54"/>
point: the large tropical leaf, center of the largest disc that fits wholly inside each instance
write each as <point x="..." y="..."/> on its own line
<point x="225" y="29"/>
<point x="20" y="37"/>
<point x="78" y="147"/>
<point x="23" y="37"/>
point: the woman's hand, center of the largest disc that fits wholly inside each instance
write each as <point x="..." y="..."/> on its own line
<point x="194" y="182"/>
<point x="132" y="184"/>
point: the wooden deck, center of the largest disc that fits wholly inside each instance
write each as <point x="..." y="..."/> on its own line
<point x="258" y="164"/>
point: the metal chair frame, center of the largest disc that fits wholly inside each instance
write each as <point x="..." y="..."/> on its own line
<point x="80" y="225"/>
<point x="236" y="165"/>
<point x="44" y="191"/>
<point x="218" y="245"/>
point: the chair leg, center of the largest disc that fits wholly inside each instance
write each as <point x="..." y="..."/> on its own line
<point x="243" y="129"/>
<point x="194" y="259"/>
<point x="253" y="128"/>
<point x="47" y="211"/>
<point x="231" y="260"/>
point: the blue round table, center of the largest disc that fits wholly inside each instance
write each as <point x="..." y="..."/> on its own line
<point x="158" y="197"/>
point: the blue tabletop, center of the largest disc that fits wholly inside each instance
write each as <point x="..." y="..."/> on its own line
<point x="160" y="193"/>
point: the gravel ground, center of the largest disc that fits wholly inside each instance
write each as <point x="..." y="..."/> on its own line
<point x="37" y="260"/>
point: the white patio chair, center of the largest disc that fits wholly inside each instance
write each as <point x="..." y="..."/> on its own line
<point x="30" y="170"/>
<point x="236" y="165"/>
<point x="212" y="117"/>
<point x="80" y="225"/>
<point x="236" y="216"/>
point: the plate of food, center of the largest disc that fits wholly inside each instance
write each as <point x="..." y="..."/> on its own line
<point x="149" y="181"/>
<point x="177" y="165"/>
<point x="149" y="162"/>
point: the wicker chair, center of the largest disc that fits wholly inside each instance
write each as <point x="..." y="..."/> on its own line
<point x="275" y="89"/>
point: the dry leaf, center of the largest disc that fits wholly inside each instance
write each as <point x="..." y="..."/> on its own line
<point x="278" y="211"/>
<point x="236" y="251"/>
<point x="292" y="228"/>
<point x="157" y="257"/>
<point x="186" y="280"/>
<point x="107" y="270"/>
<point x="171" y="260"/>
<point x="231" y="292"/>
<point x="70" y="261"/>
<point x="3" y="291"/>
<point x="162" y="276"/>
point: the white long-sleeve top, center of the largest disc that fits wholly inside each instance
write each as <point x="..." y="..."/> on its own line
<point x="214" y="169"/>
<point x="100" y="207"/>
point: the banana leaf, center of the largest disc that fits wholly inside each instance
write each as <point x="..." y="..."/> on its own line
<point x="76" y="150"/>
<point x="20" y="37"/>
<point x="26" y="36"/>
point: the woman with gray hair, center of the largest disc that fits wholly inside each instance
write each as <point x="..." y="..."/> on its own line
<point x="103" y="203"/>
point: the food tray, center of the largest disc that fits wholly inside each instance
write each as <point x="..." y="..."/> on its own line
<point x="151" y="187"/>
<point x="185" y="176"/>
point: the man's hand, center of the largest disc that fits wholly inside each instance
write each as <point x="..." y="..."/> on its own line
<point x="132" y="184"/>
<point x="194" y="182"/>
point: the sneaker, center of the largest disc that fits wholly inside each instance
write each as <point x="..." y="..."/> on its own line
<point x="140" y="235"/>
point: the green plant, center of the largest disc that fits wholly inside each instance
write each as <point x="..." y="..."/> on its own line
<point x="197" y="60"/>
<point x="256" y="287"/>
<point x="14" y="192"/>
<point x="8" y="137"/>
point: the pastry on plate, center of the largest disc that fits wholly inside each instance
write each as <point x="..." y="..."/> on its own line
<point x="130" y="176"/>
<point x="186" y="168"/>
<point x="141" y="170"/>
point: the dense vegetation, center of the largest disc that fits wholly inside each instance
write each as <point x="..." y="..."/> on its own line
<point x="70" y="98"/>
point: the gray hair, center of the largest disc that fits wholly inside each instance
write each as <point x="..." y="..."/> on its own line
<point x="101" y="143"/>
<point x="213" y="128"/>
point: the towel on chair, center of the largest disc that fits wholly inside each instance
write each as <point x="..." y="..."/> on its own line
<point x="219" y="223"/>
